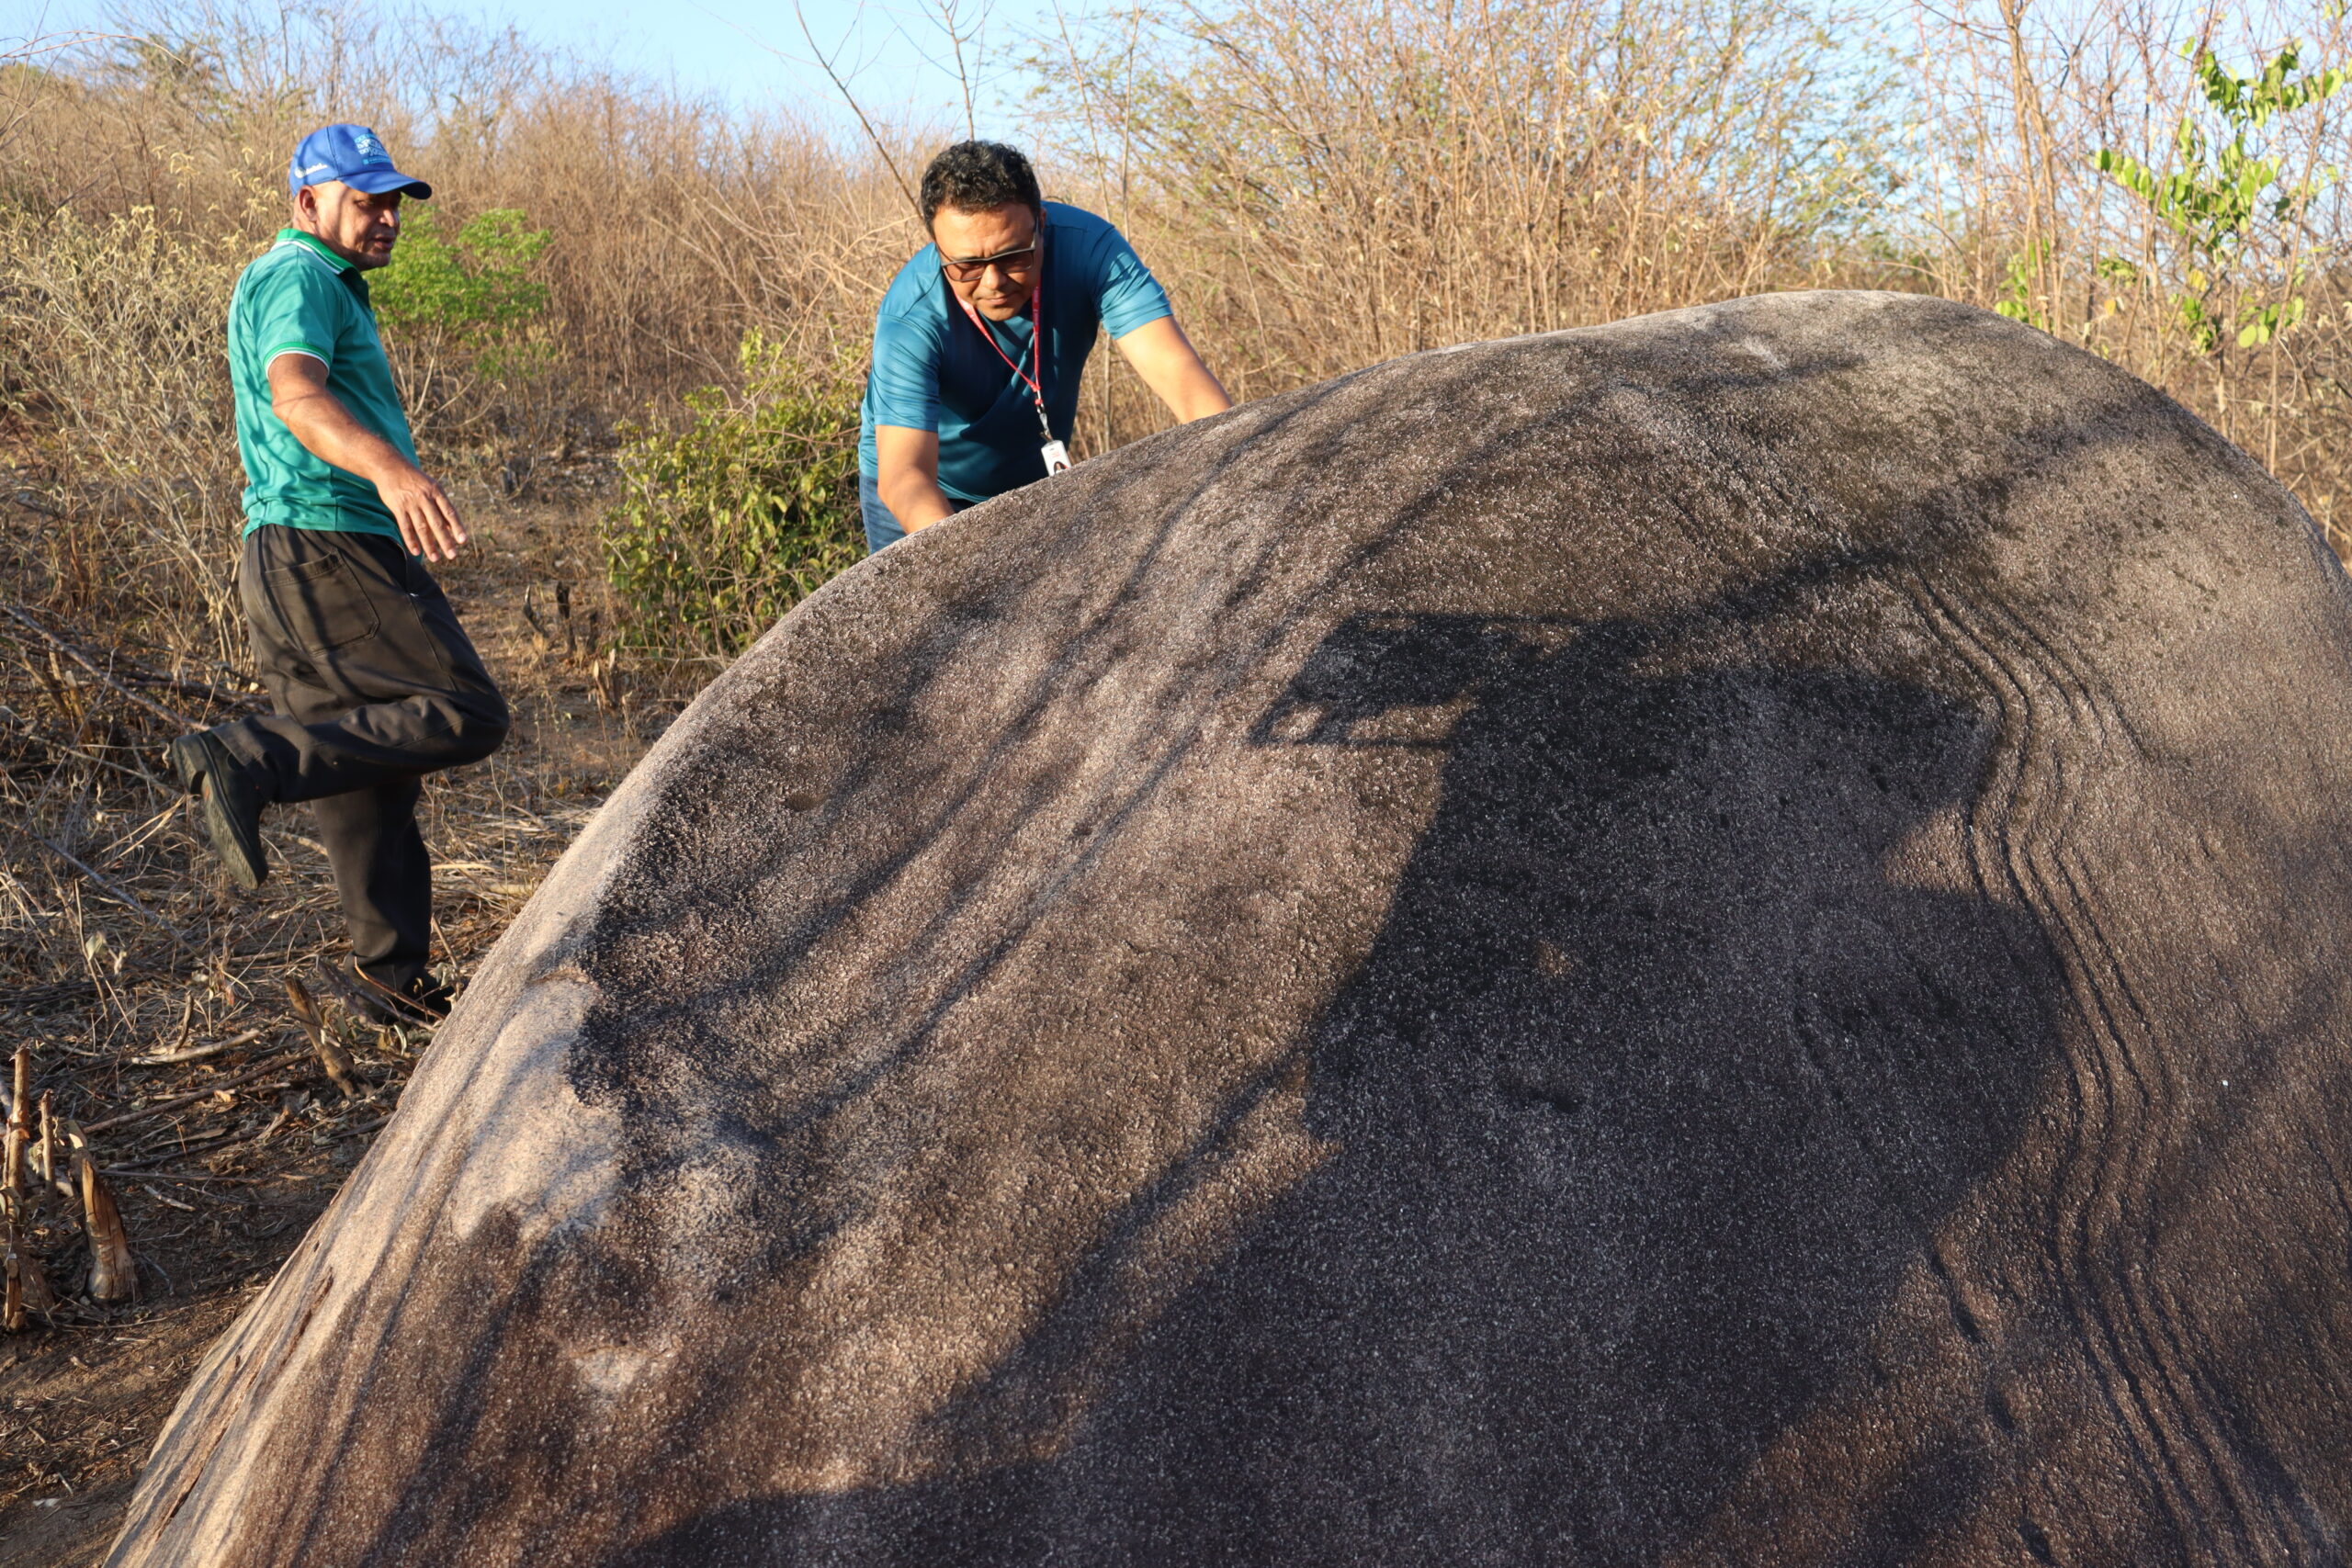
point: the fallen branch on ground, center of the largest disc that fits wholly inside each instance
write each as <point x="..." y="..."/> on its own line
<point x="199" y="1053"/>
<point x="111" y="888"/>
<point x="261" y="1069"/>
<point x="17" y="613"/>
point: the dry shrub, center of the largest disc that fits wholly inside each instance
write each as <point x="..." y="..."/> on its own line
<point x="113" y="334"/>
<point x="1324" y="183"/>
<point x="1333" y="183"/>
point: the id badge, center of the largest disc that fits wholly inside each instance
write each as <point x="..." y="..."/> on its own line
<point x="1056" y="458"/>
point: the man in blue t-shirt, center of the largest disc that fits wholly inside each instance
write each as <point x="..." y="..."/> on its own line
<point x="981" y="339"/>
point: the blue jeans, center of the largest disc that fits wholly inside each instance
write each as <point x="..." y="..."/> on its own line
<point x="881" y="528"/>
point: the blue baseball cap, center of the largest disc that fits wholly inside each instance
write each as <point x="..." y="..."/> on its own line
<point x="353" y="155"/>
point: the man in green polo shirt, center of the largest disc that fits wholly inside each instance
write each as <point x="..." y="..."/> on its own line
<point x="374" y="682"/>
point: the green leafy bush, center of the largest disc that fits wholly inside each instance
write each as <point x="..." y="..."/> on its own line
<point x="475" y="290"/>
<point x="726" y="525"/>
<point x="465" y="320"/>
<point x="2217" y="191"/>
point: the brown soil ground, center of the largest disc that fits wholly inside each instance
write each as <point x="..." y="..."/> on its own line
<point x="215" y="1188"/>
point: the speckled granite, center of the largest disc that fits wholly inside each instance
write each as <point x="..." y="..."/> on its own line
<point x="1706" y="942"/>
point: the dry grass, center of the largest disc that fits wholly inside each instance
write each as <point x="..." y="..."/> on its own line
<point x="115" y="324"/>
<point x="1327" y="185"/>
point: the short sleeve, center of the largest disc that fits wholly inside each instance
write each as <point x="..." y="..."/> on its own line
<point x="904" y="384"/>
<point x="1126" y="295"/>
<point x="296" y="309"/>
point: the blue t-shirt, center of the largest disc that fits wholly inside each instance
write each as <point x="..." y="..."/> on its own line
<point x="933" y="370"/>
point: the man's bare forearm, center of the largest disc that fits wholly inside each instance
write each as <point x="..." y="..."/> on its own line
<point x="328" y="433"/>
<point x="907" y="476"/>
<point x="1197" y="394"/>
<point x="426" y="518"/>
<point x="917" y="501"/>
<point x="1164" y="357"/>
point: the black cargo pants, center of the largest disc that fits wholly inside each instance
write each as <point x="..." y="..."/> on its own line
<point x="376" y="686"/>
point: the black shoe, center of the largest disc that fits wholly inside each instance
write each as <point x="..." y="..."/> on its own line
<point x="231" y="807"/>
<point x="418" y="1002"/>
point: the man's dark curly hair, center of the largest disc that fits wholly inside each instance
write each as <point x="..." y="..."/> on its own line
<point x="972" y="176"/>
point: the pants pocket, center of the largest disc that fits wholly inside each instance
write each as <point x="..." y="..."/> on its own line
<point x="322" y="603"/>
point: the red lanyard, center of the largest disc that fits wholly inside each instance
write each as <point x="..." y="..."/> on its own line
<point x="1036" y="334"/>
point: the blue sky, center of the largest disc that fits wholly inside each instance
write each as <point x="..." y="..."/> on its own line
<point x="895" y="53"/>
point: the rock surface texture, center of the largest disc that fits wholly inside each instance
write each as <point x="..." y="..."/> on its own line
<point x="1706" y="942"/>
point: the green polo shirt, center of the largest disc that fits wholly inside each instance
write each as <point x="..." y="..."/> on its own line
<point x="300" y="297"/>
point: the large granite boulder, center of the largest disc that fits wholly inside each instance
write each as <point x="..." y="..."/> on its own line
<point x="1706" y="942"/>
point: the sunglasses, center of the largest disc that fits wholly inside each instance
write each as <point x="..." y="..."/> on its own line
<point x="1018" y="262"/>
